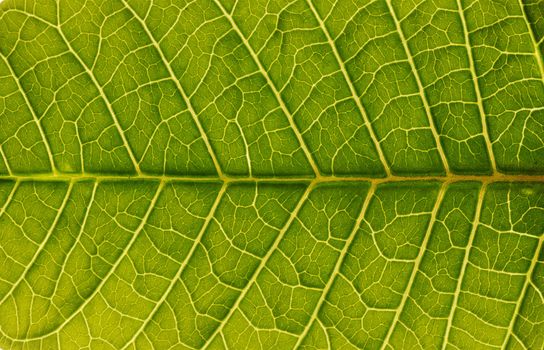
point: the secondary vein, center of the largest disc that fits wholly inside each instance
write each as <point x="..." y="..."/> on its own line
<point x="168" y="67"/>
<point x="432" y="124"/>
<point x="263" y="71"/>
<point x="34" y="116"/>
<point x="475" y="224"/>
<point x="337" y="266"/>
<point x="261" y="266"/>
<point x="417" y="263"/>
<point x="102" y="94"/>
<point x="182" y="266"/>
<point x="354" y="95"/>
<point x="477" y="88"/>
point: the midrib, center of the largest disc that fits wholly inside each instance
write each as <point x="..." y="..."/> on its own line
<point x="272" y="179"/>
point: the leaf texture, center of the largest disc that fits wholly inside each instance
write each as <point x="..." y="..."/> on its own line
<point x="272" y="174"/>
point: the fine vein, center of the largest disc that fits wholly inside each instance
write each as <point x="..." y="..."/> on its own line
<point x="263" y="71"/>
<point x="432" y="124"/>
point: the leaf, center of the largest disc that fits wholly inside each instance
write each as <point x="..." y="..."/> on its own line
<point x="306" y="174"/>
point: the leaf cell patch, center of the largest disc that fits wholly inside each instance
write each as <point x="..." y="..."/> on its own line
<point x="272" y="174"/>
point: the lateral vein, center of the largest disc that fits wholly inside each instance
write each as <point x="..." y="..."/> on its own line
<point x="537" y="54"/>
<point x="102" y="94"/>
<point x="417" y="263"/>
<point x="523" y="292"/>
<point x="34" y="116"/>
<point x="468" y="248"/>
<point x="182" y="266"/>
<point x="10" y="197"/>
<point x="5" y="159"/>
<point x="166" y="64"/>
<point x="432" y="124"/>
<point x="261" y="266"/>
<point x="477" y="88"/>
<point x="122" y="255"/>
<point x="354" y="95"/>
<point x="43" y="243"/>
<point x="338" y="265"/>
<point x="283" y="107"/>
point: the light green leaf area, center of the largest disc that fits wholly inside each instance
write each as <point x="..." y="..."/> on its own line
<point x="272" y="174"/>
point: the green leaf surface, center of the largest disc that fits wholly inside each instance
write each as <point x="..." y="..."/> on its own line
<point x="272" y="174"/>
